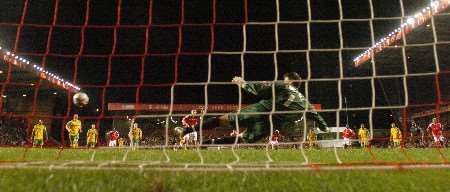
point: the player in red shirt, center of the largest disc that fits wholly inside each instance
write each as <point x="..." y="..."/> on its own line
<point x="113" y="135"/>
<point x="190" y="121"/>
<point x="347" y="134"/>
<point x="436" y="130"/>
<point x="189" y="134"/>
<point x="274" y="140"/>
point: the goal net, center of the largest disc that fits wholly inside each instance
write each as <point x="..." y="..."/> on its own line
<point x="157" y="60"/>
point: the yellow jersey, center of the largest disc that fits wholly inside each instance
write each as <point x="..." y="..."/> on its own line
<point x="38" y="131"/>
<point x="363" y="133"/>
<point x="312" y="136"/>
<point x="92" y="135"/>
<point x="396" y="133"/>
<point x="121" y="141"/>
<point x="74" y="127"/>
<point x="136" y="133"/>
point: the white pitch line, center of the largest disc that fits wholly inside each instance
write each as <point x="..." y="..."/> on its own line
<point x="244" y="169"/>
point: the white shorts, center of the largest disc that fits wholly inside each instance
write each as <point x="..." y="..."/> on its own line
<point x="190" y="136"/>
<point x="438" y="138"/>
<point x="112" y="143"/>
<point x="273" y="142"/>
<point x="347" y="141"/>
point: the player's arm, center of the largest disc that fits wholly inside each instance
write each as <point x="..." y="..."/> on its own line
<point x="140" y="134"/>
<point x="391" y="134"/>
<point x="305" y="104"/>
<point x="32" y="132"/>
<point x="68" y="124"/>
<point x="184" y="122"/>
<point x="252" y="88"/>
<point x="45" y="133"/>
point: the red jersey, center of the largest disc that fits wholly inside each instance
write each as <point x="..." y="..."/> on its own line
<point x="276" y="136"/>
<point x="190" y="121"/>
<point x="436" y="128"/>
<point x="113" y="135"/>
<point x="347" y="133"/>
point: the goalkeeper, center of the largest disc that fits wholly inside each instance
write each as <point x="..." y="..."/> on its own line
<point x="287" y="98"/>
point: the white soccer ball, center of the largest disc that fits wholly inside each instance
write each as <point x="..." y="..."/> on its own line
<point x="80" y="99"/>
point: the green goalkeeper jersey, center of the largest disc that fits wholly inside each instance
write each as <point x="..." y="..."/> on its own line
<point x="287" y="98"/>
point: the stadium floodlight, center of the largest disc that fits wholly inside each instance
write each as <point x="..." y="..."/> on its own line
<point x="412" y="22"/>
<point x="10" y="58"/>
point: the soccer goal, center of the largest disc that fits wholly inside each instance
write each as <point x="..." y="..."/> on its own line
<point x="219" y="85"/>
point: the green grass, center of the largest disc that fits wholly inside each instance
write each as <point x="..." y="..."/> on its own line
<point x="103" y="180"/>
<point x="40" y="178"/>
<point x="255" y="156"/>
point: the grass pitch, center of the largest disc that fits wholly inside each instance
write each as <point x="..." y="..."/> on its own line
<point x="118" y="170"/>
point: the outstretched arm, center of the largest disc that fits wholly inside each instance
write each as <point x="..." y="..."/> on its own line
<point x="253" y="88"/>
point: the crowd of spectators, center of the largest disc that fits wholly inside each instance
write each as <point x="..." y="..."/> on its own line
<point x="13" y="131"/>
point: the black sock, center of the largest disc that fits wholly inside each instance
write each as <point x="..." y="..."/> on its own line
<point x="209" y="123"/>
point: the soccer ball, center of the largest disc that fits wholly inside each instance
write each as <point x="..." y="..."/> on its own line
<point x="80" y="99"/>
<point x="178" y="130"/>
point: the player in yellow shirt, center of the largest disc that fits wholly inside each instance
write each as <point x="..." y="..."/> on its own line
<point x="92" y="136"/>
<point x="39" y="133"/>
<point x="121" y="142"/>
<point x="312" y="138"/>
<point x="363" y="134"/>
<point x="74" y="129"/>
<point x="396" y="135"/>
<point x="135" y="135"/>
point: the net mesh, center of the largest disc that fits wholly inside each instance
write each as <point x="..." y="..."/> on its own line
<point x="174" y="53"/>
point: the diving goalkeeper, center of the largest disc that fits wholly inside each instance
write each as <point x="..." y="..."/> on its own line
<point x="287" y="98"/>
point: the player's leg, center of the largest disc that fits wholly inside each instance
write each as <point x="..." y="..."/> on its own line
<point x="76" y="140"/>
<point x="136" y="144"/>
<point x="227" y="120"/>
<point x="441" y="141"/>
<point x="435" y="140"/>
<point x="39" y="142"/>
<point x="71" y="138"/>
<point x="257" y="125"/>
<point x="346" y="143"/>
<point x="194" y="138"/>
